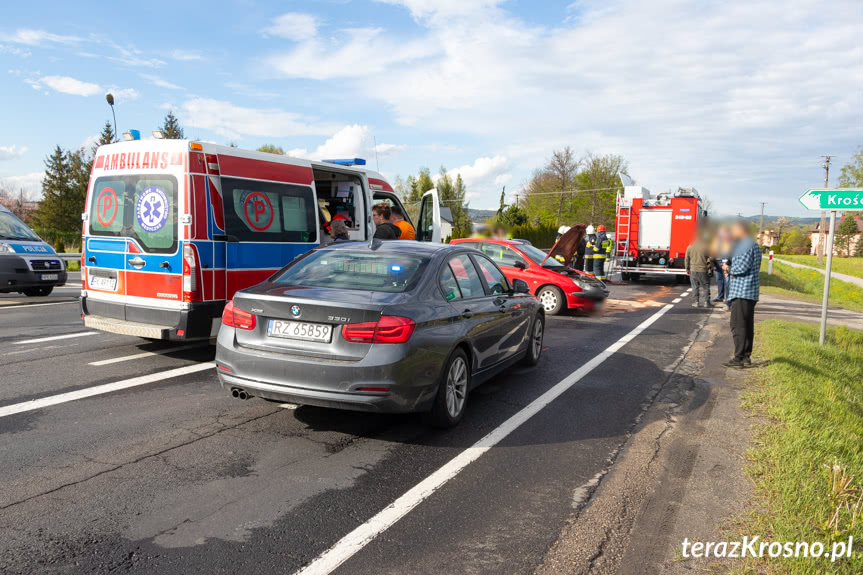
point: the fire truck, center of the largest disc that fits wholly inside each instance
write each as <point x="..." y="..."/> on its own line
<point x="652" y="232"/>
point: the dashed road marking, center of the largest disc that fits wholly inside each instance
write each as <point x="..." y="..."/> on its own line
<point x="55" y="337"/>
<point x="676" y="300"/>
<point x="354" y="541"/>
<point x="34" y="404"/>
<point x="20" y="306"/>
<point x="143" y="354"/>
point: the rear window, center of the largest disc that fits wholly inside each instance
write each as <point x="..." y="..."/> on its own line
<point x="356" y="270"/>
<point x="139" y="207"/>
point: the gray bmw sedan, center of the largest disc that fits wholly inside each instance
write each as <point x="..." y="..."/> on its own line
<point x="397" y="326"/>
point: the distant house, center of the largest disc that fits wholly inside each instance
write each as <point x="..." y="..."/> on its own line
<point x="445" y="223"/>
<point x="815" y="236"/>
<point x="768" y="238"/>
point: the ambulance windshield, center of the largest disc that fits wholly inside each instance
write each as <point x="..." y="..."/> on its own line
<point x="140" y="207"/>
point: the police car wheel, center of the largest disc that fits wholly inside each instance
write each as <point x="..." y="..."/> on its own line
<point x="551" y="299"/>
<point x="38" y="291"/>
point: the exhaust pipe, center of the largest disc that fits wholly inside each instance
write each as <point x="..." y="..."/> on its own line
<point x="239" y="393"/>
<point x="242" y="394"/>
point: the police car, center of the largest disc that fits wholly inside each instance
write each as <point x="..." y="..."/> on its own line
<point x="28" y="265"/>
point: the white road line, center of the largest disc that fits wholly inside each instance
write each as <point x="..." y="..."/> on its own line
<point x="55" y="337"/>
<point x="101" y="389"/>
<point x="144" y="354"/>
<point x="4" y="307"/>
<point x="354" y="541"/>
<point x="676" y="300"/>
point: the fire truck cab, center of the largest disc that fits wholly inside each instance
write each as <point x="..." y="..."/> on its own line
<point x="173" y="228"/>
<point x="652" y="232"/>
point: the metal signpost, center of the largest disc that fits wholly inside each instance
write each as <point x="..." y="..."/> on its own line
<point x="846" y="200"/>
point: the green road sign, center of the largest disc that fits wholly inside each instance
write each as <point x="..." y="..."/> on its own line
<point x="843" y="199"/>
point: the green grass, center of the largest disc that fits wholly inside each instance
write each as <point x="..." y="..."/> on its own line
<point x="812" y="399"/>
<point x="73" y="266"/>
<point x="848" y="266"/>
<point x="808" y="285"/>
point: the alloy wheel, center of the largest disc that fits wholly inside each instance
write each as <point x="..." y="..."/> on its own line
<point x="456" y="387"/>
<point x="537" y="337"/>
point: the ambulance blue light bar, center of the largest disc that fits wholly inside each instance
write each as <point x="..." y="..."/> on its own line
<point x="132" y="135"/>
<point x="348" y="162"/>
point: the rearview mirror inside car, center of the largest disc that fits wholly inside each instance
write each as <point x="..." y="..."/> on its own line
<point x="520" y="286"/>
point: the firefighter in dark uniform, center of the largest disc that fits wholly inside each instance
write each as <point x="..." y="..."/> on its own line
<point x="589" y="249"/>
<point x="601" y="249"/>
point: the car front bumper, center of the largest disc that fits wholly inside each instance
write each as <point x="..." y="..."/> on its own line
<point x="410" y="376"/>
<point x="16" y="274"/>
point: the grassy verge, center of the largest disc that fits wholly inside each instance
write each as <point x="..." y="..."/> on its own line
<point x="809" y="285"/>
<point x="73" y="266"/>
<point x="848" y="266"/>
<point x="812" y="398"/>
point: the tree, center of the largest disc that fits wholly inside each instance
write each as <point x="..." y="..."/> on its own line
<point x="106" y="137"/>
<point x="782" y="224"/>
<point x="171" y="129"/>
<point x="272" y="149"/>
<point x="502" y="202"/>
<point x="845" y="232"/>
<point x="53" y="213"/>
<point x="599" y="178"/>
<point x="563" y="167"/>
<point x="851" y="175"/>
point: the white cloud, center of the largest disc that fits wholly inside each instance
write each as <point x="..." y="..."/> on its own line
<point x="23" y="52"/>
<point x="294" y="26"/>
<point x="351" y="53"/>
<point x="33" y="37"/>
<point x="160" y="82"/>
<point x="354" y="141"/>
<point x="714" y="94"/>
<point x="31" y="184"/>
<point x="482" y="172"/>
<point x="11" y="152"/>
<point x="186" y="55"/>
<point x="226" y="119"/>
<point x="88" y="142"/>
<point x="67" y="85"/>
<point x="131" y="56"/>
<point x="502" y="179"/>
<point x="124" y="94"/>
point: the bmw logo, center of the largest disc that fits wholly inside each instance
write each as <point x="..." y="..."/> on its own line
<point x="295" y="310"/>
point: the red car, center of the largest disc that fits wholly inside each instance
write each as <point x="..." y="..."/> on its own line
<point x="556" y="286"/>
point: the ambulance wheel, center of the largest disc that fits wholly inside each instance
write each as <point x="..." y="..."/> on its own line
<point x="38" y="291"/>
<point x="551" y="299"/>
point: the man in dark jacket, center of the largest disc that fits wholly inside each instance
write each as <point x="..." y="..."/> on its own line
<point x="384" y="228"/>
<point x="698" y="265"/>
<point x="589" y="250"/>
<point x="600" y="249"/>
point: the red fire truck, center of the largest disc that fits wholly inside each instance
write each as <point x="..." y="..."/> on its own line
<point x="652" y="232"/>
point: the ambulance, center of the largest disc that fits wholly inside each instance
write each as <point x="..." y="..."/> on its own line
<point x="173" y="228"/>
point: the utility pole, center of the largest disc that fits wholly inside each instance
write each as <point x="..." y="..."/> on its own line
<point x="823" y="223"/>
<point x="761" y="225"/>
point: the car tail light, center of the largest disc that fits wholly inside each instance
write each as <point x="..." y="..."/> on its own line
<point x="191" y="289"/>
<point x="388" y="329"/>
<point x="237" y="318"/>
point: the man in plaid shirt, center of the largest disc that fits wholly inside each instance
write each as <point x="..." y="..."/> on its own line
<point x="743" y="291"/>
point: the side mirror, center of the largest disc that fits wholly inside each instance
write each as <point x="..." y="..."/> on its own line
<point x="520" y="286"/>
<point x="520" y="265"/>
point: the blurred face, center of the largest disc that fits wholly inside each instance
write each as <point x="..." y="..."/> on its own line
<point x="378" y="218"/>
<point x="739" y="231"/>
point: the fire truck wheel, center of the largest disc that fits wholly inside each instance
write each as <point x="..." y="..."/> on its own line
<point x="551" y="299"/>
<point x="635" y="277"/>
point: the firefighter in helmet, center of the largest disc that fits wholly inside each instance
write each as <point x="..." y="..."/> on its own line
<point x="601" y="249"/>
<point x="589" y="249"/>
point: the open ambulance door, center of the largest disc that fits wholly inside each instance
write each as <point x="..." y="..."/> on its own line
<point x="428" y="229"/>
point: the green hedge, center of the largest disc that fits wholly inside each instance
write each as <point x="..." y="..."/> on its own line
<point x="68" y="241"/>
<point x="541" y="236"/>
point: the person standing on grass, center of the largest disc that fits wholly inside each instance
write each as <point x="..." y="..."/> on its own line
<point x="699" y="264"/>
<point x="743" y="288"/>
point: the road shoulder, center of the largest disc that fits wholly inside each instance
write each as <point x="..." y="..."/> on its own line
<point x="678" y="476"/>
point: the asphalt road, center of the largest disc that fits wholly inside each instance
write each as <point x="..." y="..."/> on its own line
<point x="172" y="475"/>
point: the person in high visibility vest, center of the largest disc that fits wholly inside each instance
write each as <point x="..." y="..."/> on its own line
<point x="589" y="249"/>
<point x="600" y="249"/>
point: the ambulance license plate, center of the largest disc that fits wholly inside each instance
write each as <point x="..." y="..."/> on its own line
<point x="299" y="330"/>
<point x="106" y="283"/>
<point x="46" y="277"/>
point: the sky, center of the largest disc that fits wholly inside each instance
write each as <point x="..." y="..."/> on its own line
<point x="737" y="99"/>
